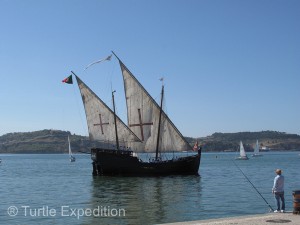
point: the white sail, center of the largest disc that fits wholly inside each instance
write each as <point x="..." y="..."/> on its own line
<point x="143" y="116"/>
<point x="70" y="151"/>
<point x="256" y="149"/>
<point x="100" y="118"/>
<point x="242" y="150"/>
<point x="72" y="158"/>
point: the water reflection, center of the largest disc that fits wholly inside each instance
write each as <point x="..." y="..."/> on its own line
<point x="146" y="200"/>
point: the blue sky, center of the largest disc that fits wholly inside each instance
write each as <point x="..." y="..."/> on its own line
<point x="229" y="66"/>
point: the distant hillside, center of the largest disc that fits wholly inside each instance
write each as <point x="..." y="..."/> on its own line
<point x="55" y="141"/>
<point x="44" y="141"/>
<point x="272" y="140"/>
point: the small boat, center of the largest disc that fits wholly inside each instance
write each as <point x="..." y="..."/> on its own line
<point x="72" y="158"/>
<point x="243" y="155"/>
<point x="148" y="129"/>
<point x="256" y="150"/>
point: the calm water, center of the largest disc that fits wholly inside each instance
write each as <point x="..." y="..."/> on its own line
<point x="48" y="189"/>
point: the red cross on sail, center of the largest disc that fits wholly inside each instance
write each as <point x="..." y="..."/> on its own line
<point x="101" y="124"/>
<point x="141" y="124"/>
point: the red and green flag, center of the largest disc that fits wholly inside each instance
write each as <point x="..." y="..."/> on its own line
<point x="68" y="80"/>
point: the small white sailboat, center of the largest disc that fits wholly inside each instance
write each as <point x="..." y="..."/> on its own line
<point x="72" y="158"/>
<point x="256" y="150"/>
<point x="243" y="155"/>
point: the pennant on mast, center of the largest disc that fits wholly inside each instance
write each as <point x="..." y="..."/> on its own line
<point x="99" y="61"/>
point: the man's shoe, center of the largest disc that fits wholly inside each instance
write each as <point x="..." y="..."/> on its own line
<point x="282" y="211"/>
<point x="276" y="211"/>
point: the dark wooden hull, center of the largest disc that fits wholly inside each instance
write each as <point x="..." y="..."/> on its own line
<point x="108" y="162"/>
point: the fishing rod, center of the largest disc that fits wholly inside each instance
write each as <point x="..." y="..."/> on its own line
<point x="253" y="186"/>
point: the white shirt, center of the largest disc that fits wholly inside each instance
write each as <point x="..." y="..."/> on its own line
<point x="278" y="184"/>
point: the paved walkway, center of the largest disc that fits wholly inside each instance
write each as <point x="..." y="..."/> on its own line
<point x="264" y="219"/>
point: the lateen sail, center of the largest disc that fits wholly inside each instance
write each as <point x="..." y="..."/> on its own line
<point x="143" y="115"/>
<point x="100" y="118"/>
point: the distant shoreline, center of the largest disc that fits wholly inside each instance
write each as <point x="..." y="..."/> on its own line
<point x="55" y="142"/>
<point x="87" y="153"/>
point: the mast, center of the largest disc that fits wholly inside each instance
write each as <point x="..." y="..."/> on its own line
<point x="115" y="120"/>
<point x="159" y="122"/>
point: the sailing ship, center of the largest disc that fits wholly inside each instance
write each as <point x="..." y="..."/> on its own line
<point x="243" y="155"/>
<point x="256" y="150"/>
<point x="149" y="129"/>
<point x="72" y="158"/>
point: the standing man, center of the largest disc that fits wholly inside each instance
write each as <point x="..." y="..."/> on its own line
<point x="278" y="190"/>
